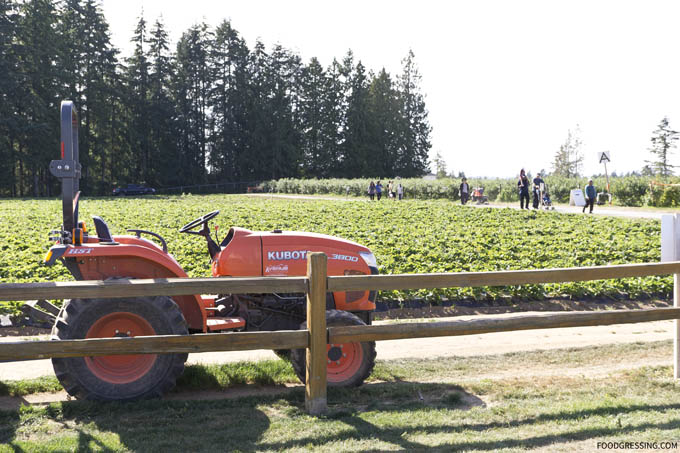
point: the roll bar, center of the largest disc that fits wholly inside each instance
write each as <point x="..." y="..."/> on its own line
<point x="68" y="169"/>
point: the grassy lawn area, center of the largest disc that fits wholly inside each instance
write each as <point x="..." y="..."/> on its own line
<point x="561" y="400"/>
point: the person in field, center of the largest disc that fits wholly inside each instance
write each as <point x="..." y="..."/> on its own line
<point x="378" y="190"/>
<point x="371" y="190"/>
<point x="591" y="195"/>
<point x="400" y="191"/>
<point x="523" y="188"/>
<point x="537" y="189"/>
<point x="464" y="191"/>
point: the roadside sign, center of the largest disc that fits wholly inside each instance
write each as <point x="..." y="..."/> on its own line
<point x="576" y="198"/>
<point x="604" y="158"/>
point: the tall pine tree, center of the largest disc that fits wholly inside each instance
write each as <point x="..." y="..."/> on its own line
<point x="412" y="156"/>
<point x="163" y="153"/>
<point x="9" y="84"/>
<point x="191" y="87"/>
<point x="663" y="142"/>
<point x="386" y="126"/>
<point x="36" y="97"/>
<point x="229" y="73"/>
<point x="357" y="139"/>
<point x="334" y="116"/>
<point x="317" y="162"/>
<point x="139" y="119"/>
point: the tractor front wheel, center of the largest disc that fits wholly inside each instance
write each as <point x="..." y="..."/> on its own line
<point x="119" y="377"/>
<point x="349" y="364"/>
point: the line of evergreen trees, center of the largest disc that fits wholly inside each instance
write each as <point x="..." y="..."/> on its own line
<point x="212" y="110"/>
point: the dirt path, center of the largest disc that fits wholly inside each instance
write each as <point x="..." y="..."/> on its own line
<point x="615" y="211"/>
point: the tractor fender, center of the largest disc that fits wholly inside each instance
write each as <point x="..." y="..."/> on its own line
<point x="133" y="257"/>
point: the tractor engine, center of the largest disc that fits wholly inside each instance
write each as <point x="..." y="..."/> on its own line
<point x="264" y="311"/>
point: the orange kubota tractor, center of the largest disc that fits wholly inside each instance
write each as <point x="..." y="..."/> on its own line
<point x="241" y="253"/>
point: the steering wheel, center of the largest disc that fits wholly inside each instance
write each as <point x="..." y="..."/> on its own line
<point x="199" y="221"/>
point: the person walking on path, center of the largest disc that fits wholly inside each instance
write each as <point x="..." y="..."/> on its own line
<point x="591" y="194"/>
<point x="400" y="191"/>
<point x="464" y="191"/>
<point x="523" y="187"/>
<point x="378" y="190"/>
<point x="537" y="189"/>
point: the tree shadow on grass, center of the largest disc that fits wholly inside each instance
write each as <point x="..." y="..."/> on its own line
<point x="397" y="436"/>
<point x="385" y="398"/>
<point x="149" y="426"/>
<point x="9" y="423"/>
<point x="165" y="425"/>
<point x="364" y="430"/>
<point x="241" y="423"/>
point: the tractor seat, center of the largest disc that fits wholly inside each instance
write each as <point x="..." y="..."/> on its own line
<point x="102" y="228"/>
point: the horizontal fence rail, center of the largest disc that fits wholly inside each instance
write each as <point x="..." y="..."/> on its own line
<point x="151" y="287"/>
<point x="478" y="326"/>
<point x="217" y="285"/>
<point x="294" y="339"/>
<point x="158" y="344"/>
<point x="499" y="278"/>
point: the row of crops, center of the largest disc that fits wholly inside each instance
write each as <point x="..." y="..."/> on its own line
<point x="409" y="237"/>
<point x="626" y="190"/>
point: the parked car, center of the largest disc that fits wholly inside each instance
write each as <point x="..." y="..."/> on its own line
<point x="133" y="189"/>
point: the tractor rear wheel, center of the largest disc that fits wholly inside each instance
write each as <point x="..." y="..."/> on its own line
<point x="349" y="364"/>
<point x="119" y="377"/>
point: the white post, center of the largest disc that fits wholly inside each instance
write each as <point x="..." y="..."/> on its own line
<point x="670" y="251"/>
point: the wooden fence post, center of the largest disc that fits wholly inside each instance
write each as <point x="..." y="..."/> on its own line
<point x="670" y="251"/>
<point x="315" y="387"/>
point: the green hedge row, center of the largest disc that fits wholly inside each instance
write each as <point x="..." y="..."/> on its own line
<point x="626" y="190"/>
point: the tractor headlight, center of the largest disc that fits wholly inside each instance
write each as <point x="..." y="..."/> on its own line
<point x="369" y="259"/>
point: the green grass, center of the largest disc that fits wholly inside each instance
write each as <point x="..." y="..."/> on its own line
<point x="29" y="386"/>
<point x="408" y="237"/>
<point x="511" y="402"/>
<point x="221" y="377"/>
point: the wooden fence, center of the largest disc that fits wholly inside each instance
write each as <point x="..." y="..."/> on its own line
<point x="315" y="285"/>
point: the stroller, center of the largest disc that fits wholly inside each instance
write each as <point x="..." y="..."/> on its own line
<point x="479" y="197"/>
<point x="546" y="203"/>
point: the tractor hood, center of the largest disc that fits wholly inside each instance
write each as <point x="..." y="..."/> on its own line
<point x="284" y="253"/>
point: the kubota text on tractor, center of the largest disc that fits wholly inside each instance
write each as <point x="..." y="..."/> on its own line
<point x="241" y="253"/>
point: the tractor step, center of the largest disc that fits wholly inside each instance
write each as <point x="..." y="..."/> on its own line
<point x="48" y="307"/>
<point x="216" y="323"/>
<point x="40" y="311"/>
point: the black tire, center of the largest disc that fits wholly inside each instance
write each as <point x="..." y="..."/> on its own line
<point x="94" y="378"/>
<point x="365" y="353"/>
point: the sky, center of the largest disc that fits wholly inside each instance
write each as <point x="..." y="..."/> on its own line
<point x="504" y="81"/>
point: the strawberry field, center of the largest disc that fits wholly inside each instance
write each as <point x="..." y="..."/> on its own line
<point x="412" y="236"/>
